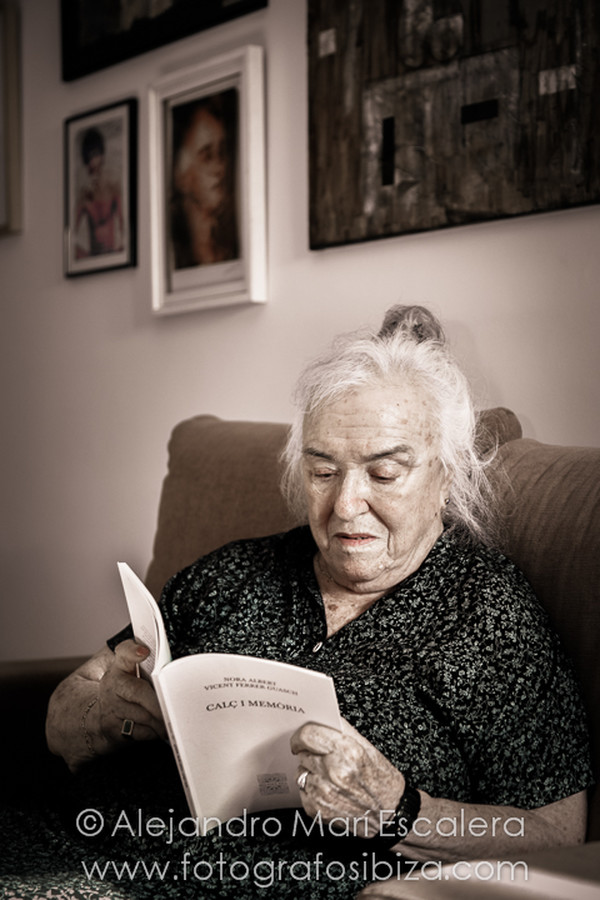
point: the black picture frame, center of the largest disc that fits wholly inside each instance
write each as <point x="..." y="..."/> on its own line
<point x="100" y="180"/>
<point x="112" y="39"/>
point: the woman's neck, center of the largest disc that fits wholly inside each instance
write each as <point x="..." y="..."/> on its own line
<point x="202" y="228"/>
<point x="341" y="603"/>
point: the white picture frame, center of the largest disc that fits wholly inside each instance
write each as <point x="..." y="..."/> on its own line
<point x="208" y="192"/>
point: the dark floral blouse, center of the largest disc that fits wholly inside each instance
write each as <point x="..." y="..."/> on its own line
<point x="454" y="675"/>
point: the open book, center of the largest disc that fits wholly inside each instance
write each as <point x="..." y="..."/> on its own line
<point x="229" y="717"/>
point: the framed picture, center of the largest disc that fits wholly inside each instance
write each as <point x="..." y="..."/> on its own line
<point x="96" y="35"/>
<point x="434" y="115"/>
<point x="10" y="121"/>
<point x="207" y="169"/>
<point x="100" y="189"/>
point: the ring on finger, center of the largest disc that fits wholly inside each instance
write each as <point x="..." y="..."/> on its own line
<point x="127" y="728"/>
<point x="301" y="780"/>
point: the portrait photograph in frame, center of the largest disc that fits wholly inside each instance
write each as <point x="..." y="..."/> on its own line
<point x="207" y="177"/>
<point x="101" y="189"/>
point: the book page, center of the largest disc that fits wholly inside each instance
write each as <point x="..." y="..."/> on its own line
<point x="232" y="718"/>
<point x="146" y="620"/>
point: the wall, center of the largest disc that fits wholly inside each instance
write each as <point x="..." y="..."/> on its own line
<point x="92" y="382"/>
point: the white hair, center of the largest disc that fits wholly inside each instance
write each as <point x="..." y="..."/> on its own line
<point x="409" y="347"/>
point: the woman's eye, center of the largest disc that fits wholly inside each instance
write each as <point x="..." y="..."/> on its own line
<point x="383" y="477"/>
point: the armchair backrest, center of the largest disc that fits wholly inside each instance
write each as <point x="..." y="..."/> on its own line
<point x="550" y="502"/>
<point x="222" y="484"/>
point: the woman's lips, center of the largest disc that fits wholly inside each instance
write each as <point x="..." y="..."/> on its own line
<point x="354" y="539"/>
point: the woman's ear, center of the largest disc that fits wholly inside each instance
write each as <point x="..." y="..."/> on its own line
<point x="445" y="491"/>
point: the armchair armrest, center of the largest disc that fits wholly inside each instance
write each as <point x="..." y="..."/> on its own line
<point x="29" y="770"/>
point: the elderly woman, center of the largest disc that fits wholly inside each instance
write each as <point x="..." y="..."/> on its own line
<point x="463" y="732"/>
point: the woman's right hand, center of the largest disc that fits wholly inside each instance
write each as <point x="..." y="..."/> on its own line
<point x="125" y="697"/>
<point x="87" y="710"/>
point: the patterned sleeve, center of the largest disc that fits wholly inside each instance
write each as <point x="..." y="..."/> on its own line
<point x="175" y="605"/>
<point x="196" y="601"/>
<point x="532" y="747"/>
<point x="180" y="602"/>
<point x="202" y="596"/>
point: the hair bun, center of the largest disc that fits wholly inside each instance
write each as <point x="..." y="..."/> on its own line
<point x="416" y="322"/>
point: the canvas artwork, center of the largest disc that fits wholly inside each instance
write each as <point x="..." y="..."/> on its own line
<point x="432" y="113"/>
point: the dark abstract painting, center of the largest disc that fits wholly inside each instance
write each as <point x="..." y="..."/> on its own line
<point x="431" y="113"/>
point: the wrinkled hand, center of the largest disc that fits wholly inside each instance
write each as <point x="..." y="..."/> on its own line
<point x="348" y="777"/>
<point x="122" y="695"/>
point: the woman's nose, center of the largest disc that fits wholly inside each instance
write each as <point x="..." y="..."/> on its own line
<point x="350" y="498"/>
<point x="220" y="161"/>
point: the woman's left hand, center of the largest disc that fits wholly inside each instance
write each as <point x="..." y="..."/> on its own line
<point x="348" y="778"/>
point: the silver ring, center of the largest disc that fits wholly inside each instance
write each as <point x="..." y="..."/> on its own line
<point x="127" y="728"/>
<point x="301" y="780"/>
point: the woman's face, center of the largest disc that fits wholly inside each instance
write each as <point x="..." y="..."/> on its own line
<point x="374" y="484"/>
<point x="95" y="165"/>
<point x="201" y="164"/>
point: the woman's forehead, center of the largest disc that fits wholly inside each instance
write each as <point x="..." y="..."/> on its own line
<point x="400" y="413"/>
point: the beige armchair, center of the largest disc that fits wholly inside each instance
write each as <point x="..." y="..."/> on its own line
<point x="222" y="484"/>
